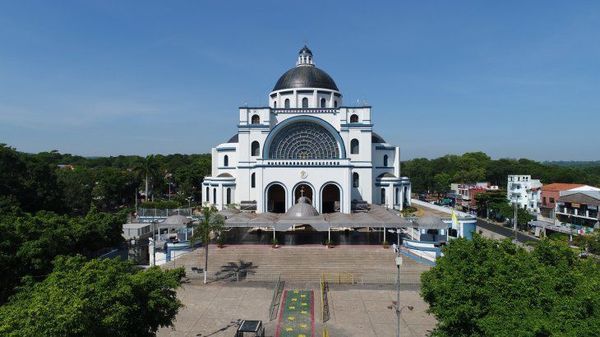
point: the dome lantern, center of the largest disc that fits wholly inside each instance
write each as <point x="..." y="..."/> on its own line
<point x="305" y="57"/>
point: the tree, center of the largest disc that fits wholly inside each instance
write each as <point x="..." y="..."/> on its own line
<point x="442" y="182"/>
<point x="94" y="298"/>
<point x="147" y="169"/>
<point x="485" y="287"/>
<point x="211" y="225"/>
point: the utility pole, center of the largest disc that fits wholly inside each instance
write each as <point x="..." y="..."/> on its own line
<point x="515" y="220"/>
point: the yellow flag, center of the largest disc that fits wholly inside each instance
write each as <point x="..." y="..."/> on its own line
<point x="454" y="219"/>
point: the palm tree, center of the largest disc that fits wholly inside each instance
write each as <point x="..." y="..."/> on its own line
<point x="147" y="169"/>
<point x="211" y="223"/>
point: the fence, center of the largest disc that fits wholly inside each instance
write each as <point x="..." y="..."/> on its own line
<point x="276" y="301"/>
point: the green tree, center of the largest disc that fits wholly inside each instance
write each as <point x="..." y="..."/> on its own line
<point x="210" y="226"/>
<point x="94" y="298"/>
<point x="485" y="287"/>
<point x="148" y="169"/>
<point x="442" y="182"/>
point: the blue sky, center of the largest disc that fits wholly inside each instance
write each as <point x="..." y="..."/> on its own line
<point x="511" y="78"/>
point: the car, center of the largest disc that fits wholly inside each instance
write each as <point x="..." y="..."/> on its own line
<point x="250" y="328"/>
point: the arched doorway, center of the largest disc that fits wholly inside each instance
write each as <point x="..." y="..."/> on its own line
<point x="276" y="199"/>
<point x="303" y="189"/>
<point x="330" y="199"/>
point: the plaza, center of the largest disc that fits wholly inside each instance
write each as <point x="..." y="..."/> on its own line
<point x="358" y="305"/>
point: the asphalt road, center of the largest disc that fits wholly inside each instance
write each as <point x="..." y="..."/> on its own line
<point x="505" y="231"/>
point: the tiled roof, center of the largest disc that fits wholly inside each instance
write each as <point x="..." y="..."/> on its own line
<point x="557" y="187"/>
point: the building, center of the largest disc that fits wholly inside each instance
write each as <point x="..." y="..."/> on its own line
<point x="578" y="209"/>
<point x="306" y="142"/>
<point x="525" y="191"/>
<point x="550" y="194"/>
<point x="466" y="194"/>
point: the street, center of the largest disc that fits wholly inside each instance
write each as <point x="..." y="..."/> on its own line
<point x="504" y="231"/>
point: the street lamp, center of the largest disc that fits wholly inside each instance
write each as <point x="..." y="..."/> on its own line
<point x="515" y="219"/>
<point x="398" y="264"/>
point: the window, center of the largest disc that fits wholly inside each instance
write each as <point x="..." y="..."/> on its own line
<point x="383" y="196"/>
<point x="228" y="196"/>
<point x="287" y="103"/>
<point x="255" y="149"/>
<point x="385" y="160"/>
<point x="207" y="194"/>
<point x="354" y="118"/>
<point x="255" y="119"/>
<point x="551" y="200"/>
<point x="354" y="146"/>
<point x="214" y="195"/>
<point x="305" y="102"/>
<point x="335" y="104"/>
<point x="322" y="102"/>
<point x="253" y="180"/>
<point x="275" y="104"/>
<point x="303" y="140"/>
<point x="226" y="161"/>
<point x="355" y="181"/>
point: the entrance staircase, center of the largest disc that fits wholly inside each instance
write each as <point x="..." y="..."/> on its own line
<point x="342" y="264"/>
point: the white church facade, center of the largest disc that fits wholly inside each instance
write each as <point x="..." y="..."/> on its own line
<point x="306" y="142"/>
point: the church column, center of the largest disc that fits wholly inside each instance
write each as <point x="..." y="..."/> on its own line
<point x="401" y="197"/>
<point x="331" y="98"/>
<point x="316" y="99"/>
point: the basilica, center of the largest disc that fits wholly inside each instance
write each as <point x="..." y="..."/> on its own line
<point x="306" y="145"/>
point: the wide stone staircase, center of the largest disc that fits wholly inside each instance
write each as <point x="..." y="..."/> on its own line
<point x="342" y="264"/>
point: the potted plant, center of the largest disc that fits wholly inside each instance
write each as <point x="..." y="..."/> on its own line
<point x="221" y="240"/>
<point x="329" y="243"/>
<point x="275" y="243"/>
<point x="386" y="244"/>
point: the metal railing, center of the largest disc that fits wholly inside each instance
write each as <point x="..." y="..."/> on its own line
<point x="276" y="300"/>
<point x="324" y="299"/>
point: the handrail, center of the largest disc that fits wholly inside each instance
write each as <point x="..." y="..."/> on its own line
<point x="278" y="290"/>
<point x="324" y="299"/>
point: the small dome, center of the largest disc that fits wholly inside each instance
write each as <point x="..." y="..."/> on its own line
<point x="377" y="139"/>
<point x="301" y="209"/>
<point x="225" y="175"/>
<point x="233" y="139"/>
<point x="386" y="175"/>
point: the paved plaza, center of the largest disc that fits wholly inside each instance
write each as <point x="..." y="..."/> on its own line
<point x="212" y="310"/>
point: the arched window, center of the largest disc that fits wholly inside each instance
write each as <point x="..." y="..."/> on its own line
<point x="226" y="161"/>
<point x="355" y="179"/>
<point x="385" y="160"/>
<point x="397" y="196"/>
<point x="214" y="195"/>
<point x="253" y="180"/>
<point x="255" y="148"/>
<point x="335" y="104"/>
<point x="383" y="196"/>
<point x="305" y="102"/>
<point x="275" y="104"/>
<point x="322" y="102"/>
<point x="207" y="194"/>
<point x="228" y="196"/>
<point x="354" y="146"/>
<point x="287" y="103"/>
<point x="354" y="118"/>
<point x="255" y="119"/>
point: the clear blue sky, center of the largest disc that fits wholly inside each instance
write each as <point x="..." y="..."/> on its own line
<point x="511" y="78"/>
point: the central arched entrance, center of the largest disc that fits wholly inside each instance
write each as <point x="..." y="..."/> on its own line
<point x="303" y="189"/>
<point x="276" y="199"/>
<point x="330" y="198"/>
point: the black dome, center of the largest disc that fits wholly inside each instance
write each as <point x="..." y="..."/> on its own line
<point x="305" y="77"/>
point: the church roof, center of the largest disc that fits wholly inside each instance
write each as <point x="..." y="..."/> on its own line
<point x="305" y="77"/>
<point x="375" y="138"/>
<point x="233" y="139"/>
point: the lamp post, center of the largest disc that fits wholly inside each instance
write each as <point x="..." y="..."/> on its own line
<point x="515" y="218"/>
<point x="398" y="264"/>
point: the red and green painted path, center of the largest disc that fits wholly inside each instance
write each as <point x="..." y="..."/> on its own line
<point x="297" y="314"/>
